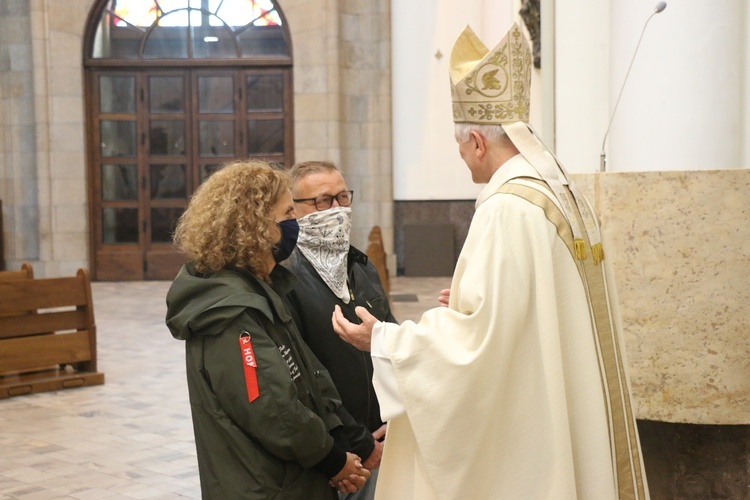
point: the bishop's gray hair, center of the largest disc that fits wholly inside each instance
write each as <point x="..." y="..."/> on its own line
<point x="494" y="133"/>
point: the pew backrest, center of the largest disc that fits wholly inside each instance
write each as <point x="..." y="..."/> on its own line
<point x="47" y="334"/>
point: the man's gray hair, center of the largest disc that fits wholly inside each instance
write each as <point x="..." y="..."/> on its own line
<point x="494" y="133"/>
<point x="305" y="168"/>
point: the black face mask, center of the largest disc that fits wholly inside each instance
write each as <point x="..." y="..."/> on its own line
<point x="289" y="232"/>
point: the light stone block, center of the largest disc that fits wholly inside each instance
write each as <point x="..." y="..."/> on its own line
<point x="20" y="57"/>
<point x="15" y="29"/>
<point x="17" y="85"/>
<point x="70" y="246"/>
<point x="310" y="107"/>
<point x="38" y="25"/>
<point x="70" y="268"/>
<point x="65" y="50"/>
<point x="350" y="25"/>
<point x="67" y="109"/>
<point x="67" y="17"/>
<point x="310" y="79"/>
<point x="69" y="194"/>
<point x="334" y="134"/>
<point x="299" y="12"/>
<point x="360" y="82"/>
<point x="41" y="163"/>
<point x="357" y="108"/>
<point x="14" y="8"/>
<point x="310" y="48"/>
<point x="360" y="55"/>
<point x="41" y="117"/>
<point x="351" y="136"/>
<point x="333" y="75"/>
<point x="375" y="135"/>
<point x="311" y="135"/>
<point x="22" y="139"/>
<point x="333" y="103"/>
<point x="70" y="219"/>
<point x="68" y="165"/>
<point x="679" y="246"/>
<point x="38" y="5"/>
<point x="312" y="154"/>
<point x="68" y="81"/>
<point x="22" y="111"/>
<point x="66" y="137"/>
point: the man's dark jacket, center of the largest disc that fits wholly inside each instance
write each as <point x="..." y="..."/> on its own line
<point x="312" y="304"/>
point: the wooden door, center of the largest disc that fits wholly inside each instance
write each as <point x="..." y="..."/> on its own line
<point x="155" y="135"/>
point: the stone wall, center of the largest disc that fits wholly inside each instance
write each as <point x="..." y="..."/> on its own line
<point x="341" y="55"/>
<point x="679" y="243"/>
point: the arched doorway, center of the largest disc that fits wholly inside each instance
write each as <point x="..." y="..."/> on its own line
<point x="174" y="89"/>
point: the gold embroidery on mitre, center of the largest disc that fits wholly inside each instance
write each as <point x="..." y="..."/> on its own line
<point x="491" y="86"/>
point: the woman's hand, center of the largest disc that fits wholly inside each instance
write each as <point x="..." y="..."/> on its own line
<point x="352" y="477"/>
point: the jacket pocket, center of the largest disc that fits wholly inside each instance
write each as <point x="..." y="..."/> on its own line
<point x="377" y="306"/>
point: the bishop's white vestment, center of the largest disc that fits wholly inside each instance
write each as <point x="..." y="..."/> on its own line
<point x="518" y="389"/>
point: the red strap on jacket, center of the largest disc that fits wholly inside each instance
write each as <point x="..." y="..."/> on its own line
<point x="249" y="364"/>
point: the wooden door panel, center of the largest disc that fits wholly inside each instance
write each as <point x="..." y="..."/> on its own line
<point x="166" y="131"/>
<point x="163" y="265"/>
<point x="122" y="265"/>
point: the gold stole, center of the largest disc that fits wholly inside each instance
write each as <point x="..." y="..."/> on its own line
<point x="622" y="425"/>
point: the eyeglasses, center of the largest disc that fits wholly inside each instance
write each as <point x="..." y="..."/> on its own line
<point x="325" y="201"/>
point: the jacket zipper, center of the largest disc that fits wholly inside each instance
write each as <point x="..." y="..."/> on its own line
<point x="353" y="303"/>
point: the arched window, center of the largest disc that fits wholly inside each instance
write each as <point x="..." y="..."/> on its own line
<point x="175" y="88"/>
<point x="187" y="29"/>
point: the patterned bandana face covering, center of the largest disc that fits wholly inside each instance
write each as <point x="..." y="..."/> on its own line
<point x="324" y="241"/>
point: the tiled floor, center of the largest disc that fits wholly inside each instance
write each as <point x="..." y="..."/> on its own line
<point x="131" y="437"/>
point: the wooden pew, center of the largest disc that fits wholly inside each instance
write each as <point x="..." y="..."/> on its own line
<point x="26" y="272"/>
<point x="2" y="239"/>
<point x="47" y="333"/>
<point x="376" y="253"/>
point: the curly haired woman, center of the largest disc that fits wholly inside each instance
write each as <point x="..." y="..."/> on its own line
<point x="266" y="417"/>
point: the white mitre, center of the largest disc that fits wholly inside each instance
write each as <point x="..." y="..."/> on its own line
<point x="493" y="87"/>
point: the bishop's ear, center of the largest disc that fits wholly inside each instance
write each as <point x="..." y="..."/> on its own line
<point x="479" y="142"/>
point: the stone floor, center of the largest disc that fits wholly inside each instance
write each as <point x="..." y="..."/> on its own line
<point x="131" y="437"/>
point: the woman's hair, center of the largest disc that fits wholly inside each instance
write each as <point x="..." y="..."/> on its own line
<point x="305" y="168"/>
<point x="494" y="133"/>
<point x="229" y="221"/>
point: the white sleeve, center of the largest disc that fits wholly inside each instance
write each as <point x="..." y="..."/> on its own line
<point x="383" y="378"/>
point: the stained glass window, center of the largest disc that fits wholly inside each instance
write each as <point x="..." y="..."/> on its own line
<point x="188" y="29"/>
<point x="236" y="12"/>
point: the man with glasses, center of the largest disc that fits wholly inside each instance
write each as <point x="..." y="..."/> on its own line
<point x="332" y="272"/>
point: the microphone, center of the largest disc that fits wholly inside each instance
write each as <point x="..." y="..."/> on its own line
<point x="603" y="155"/>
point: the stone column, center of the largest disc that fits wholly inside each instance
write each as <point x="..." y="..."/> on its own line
<point x="18" y="174"/>
<point x="365" y="104"/>
<point x="57" y="35"/>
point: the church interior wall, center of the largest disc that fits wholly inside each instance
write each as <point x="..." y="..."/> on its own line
<point x="689" y="71"/>
<point x="680" y="150"/>
<point x="341" y="82"/>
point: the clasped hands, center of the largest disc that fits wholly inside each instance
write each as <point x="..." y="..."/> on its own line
<point x="350" y="480"/>
<point x="352" y="477"/>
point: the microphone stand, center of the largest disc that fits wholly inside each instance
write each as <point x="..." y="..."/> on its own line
<point x="603" y="155"/>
